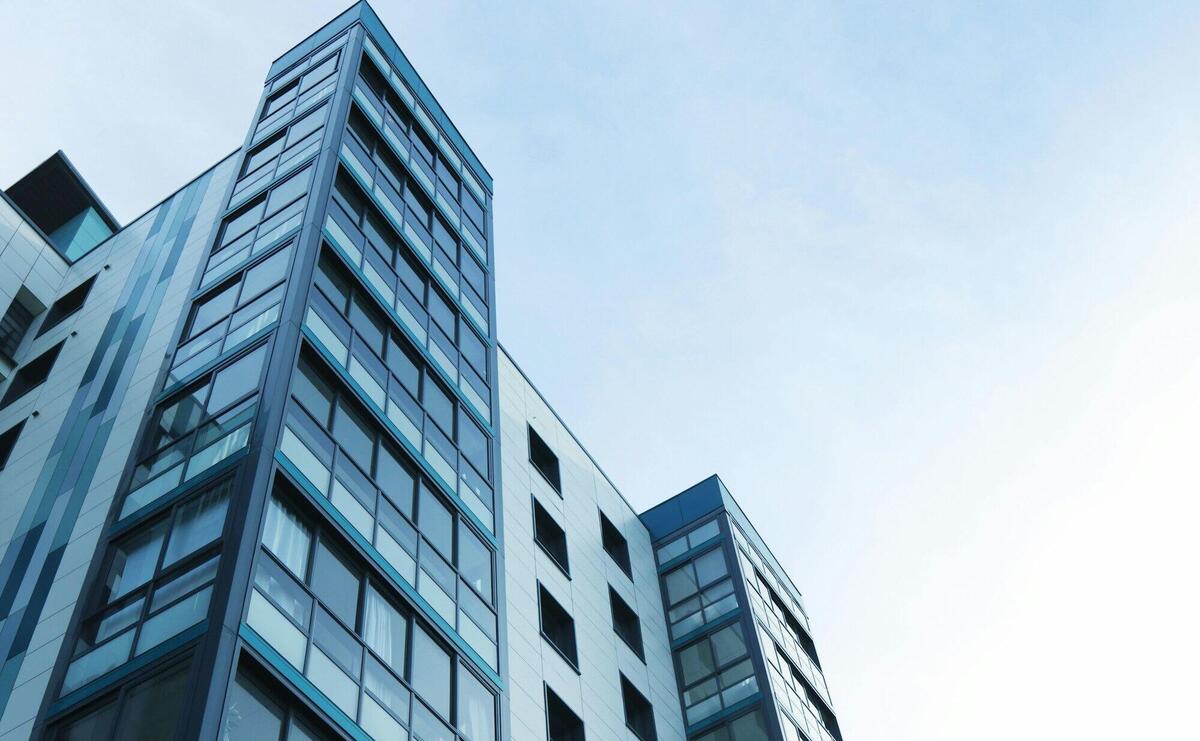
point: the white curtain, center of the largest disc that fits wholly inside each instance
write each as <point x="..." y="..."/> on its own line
<point x="383" y="630"/>
<point x="287" y="537"/>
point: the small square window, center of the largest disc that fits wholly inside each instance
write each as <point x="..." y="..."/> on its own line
<point x="639" y="714"/>
<point x="544" y="460"/>
<point x="558" y="627"/>
<point x="8" y="441"/>
<point x="615" y="545"/>
<point x="562" y="724"/>
<point x="550" y="536"/>
<point x="626" y="623"/>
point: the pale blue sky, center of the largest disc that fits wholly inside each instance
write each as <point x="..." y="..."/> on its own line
<point x="918" y="280"/>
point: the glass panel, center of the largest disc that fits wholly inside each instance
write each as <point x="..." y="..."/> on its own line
<point x="134" y="561"/>
<point x="680" y="583"/>
<point x="152" y="709"/>
<point x="474" y="561"/>
<point x="335" y="584"/>
<point x="251" y="715"/>
<point x="396" y="479"/>
<point x="384" y="630"/>
<point x="211" y="309"/>
<point x="164" y="594"/>
<point x="436" y="522"/>
<point x="285" y="535"/>
<point x="237" y="380"/>
<point x="337" y="643"/>
<point x="198" y="523"/>
<point x="176" y="618"/>
<point x="91" y="665"/>
<point x="354" y="434"/>
<point x="728" y="644"/>
<point x="476" y="708"/>
<point x="696" y="662"/>
<point x="710" y="567"/>
<point x="432" y="681"/>
<point x="276" y="629"/>
<point x="264" y="275"/>
<point x="333" y="682"/>
<point x="283" y="590"/>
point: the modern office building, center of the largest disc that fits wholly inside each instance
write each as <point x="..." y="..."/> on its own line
<point x="266" y="473"/>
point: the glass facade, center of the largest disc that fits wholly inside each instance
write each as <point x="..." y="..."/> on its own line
<point x="285" y="453"/>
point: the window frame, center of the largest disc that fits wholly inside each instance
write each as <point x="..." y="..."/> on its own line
<point x="545" y="597"/>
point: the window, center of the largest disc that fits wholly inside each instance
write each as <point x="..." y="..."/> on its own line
<point x="16" y="321"/>
<point x="256" y="713"/>
<point x="686" y="542"/>
<point x="562" y="724"/>
<point x="615" y="545"/>
<point x="150" y="710"/>
<point x="626" y="623"/>
<point x="558" y="628"/>
<point x="550" y="536"/>
<point x="544" y="460"/>
<point x="748" y="727"/>
<point x="157" y="582"/>
<point x="30" y="376"/>
<point x="698" y="592"/>
<point x="8" y="441"/>
<point x="716" y="673"/>
<point x="70" y="302"/>
<point x="197" y="428"/>
<point x="639" y="715"/>
<point x="385" y="668"/>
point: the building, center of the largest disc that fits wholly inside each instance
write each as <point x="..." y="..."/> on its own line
<point x="265" y="471"/>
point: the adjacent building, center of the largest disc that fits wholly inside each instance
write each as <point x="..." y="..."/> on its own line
<point x="266" y="472"/>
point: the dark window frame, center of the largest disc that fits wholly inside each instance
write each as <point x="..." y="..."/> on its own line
<point x="550" y="470"/>
<point x="643" y="712"/>
<point x="555" y="705"/>
<point x="20" y="384"/>
<point x="629" y="632"/>
<point x="8" y="442"/>
<point x="66" y="306"/>
<point x="566" y="626"/>
<point x="541" y="516"/>
<point x="615" y="545"/>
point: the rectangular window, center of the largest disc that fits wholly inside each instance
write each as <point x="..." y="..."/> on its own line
<point x="558" y="627"/>
<point x="16" y="321"/>
<point x="157" y="583"/>
<point x="256" y="713"/>
<point x="562" y="724"/>
<point x="544" y="460"/>
<point x="615" y="545"/>
<point x="551" y="537"/>
<point x="151" y="709"/>
<point x="626" y="623"/>
<point x="69" y="303"/>
<point x="716" y="673"/>
<point x="8" y="441"/>
<point x="30" y="376"/>
<point x="639" y="714"/>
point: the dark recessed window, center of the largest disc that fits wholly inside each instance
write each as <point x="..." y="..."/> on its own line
<point x="544" y="460"/>
<point x="550" y="536"/>
<point x="31" y="375"/>
<point x="615" y="544"/>
<point x="16" y="320"/>
<point x="70" y="302"/>
<point x="626" y="623"/>
<point x="639" y="715"/>
<point x="558" y="628"/>
<point x="562" y="724"/>
<point x="8" y="440"/>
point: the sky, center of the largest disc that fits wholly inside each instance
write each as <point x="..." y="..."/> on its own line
<point x="918" y="280"/>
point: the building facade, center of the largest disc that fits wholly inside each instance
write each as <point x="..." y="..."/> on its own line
<point x="265" y="471"/>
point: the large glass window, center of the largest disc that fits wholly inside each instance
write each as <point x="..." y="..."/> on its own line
<point x="196" y="429"/>
<point x="158" y="581"/>
<point x="256" y="711"/>
<point x="149" y="711"/>
<point x="380" y="664"/>
<point x="716" y="673"/>
<point x="231" y="314"/>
